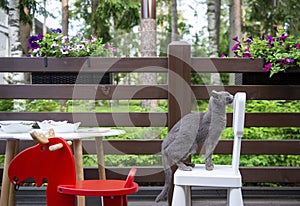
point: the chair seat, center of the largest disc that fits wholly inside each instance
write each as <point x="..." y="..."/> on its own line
<point x="220" y="176"/>
<point x="98" y="188"/>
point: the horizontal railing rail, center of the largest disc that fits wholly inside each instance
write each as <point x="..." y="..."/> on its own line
<point x="150" y="147"/>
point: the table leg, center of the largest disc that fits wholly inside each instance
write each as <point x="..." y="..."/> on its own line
<point x="12" y="192"/>
<point x="100" y="157"/>
<point x="11" y="145"/>
<point x="79" y="167"/>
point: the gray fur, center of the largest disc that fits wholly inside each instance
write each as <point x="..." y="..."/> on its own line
<point x="193" y="129"/>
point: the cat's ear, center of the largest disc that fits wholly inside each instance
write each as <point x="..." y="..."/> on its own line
<point x="214" y="94"/>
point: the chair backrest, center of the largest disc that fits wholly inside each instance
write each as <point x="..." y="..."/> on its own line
<point x="130" y="178"/>
<point x="238" y="127"/>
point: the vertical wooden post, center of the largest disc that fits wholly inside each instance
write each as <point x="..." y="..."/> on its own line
<point x="179" y="86"/>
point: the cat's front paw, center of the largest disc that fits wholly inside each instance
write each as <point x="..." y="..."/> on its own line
<point x="184" y="167"/>
<point x="209" y="167"/>
<point x="190" y="164"/>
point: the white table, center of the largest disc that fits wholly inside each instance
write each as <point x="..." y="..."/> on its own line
<point x="7" y="191"/>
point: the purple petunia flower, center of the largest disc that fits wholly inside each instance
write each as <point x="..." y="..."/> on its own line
<point x="236" y="46"/>
<point x="111" y="48"/>
<point x="287" y="48"/>
<point x="80" y="46"/>
<point x="55" y="44"/>
<point x="33" y="39"/>
<point x="282" y="37"/>
<point x="248" y="41"/>
<point x="58" y="30"/>
<point x="224" y="55"/>
<point x="270" y="45"/>
<point x="94" y="38"/>
<point x="64" y="39"/>
<point x="289" y="61"/>
<point x="236" y="39"/>
<point x="34" y="45"/>
<point x="33" y="42"/>
<point x="269" y="37"/>
<point x="297" y="46"/>
<point x="247" y="53"/>
<point x="286" y="61"/>
<point x="64" y="50"/>
<point x="267" y="67"/>
<point x="40" y="36"/>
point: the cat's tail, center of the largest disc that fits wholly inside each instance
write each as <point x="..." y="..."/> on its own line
<point x="168" y="180"/>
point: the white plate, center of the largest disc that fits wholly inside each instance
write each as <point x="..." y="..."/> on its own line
<point x="93" y="130"/>
<point x="16" y="126"/>
<point x="59" y="126"/>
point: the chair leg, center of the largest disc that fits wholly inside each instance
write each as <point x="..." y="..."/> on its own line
<point x="115" y="201"/>
<point x="181" y="196"/>
<point x="234" y="197"/>
<point x="188" y="195"/>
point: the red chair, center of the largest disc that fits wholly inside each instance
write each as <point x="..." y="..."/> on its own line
<point x="58" y="167"/>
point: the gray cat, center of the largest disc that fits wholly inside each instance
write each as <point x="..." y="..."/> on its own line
<point x="193" y="129"/>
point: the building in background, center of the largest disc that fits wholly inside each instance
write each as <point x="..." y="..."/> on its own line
<point x="3" y="34"/>
<point x="4" y="38"/>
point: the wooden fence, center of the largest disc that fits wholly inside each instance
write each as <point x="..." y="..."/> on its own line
<point x="178" y="92"/>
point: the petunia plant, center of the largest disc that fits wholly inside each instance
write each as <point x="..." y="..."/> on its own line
<point x="55" y="44"/>
<point x="280" y="51"/>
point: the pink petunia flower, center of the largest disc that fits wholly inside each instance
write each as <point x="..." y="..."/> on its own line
<point x="111" y="48"/>
<point x="267" y="67"/>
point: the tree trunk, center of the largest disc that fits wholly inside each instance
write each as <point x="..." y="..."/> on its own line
<point x="25" y="32"/>
<point x="24" y="35"/>
<point x="174" y="20"/>
<point x="14" y="28"/>
<point x="235" y="29"/>
<point x="243" y="15"/>
<point x="218" y="17"/>
<point x="235" y="23"/>
<point x="65" y="31"/>
<point x="213" y="10"/>
<point x="45" y="20"/>
<point x="65" y="17"/>
<point x="95" y="4"/>
<point x="15" y="49"/>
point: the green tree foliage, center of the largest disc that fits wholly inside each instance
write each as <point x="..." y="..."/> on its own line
<point x="3" y="4"/>
<point x="6" y="105"/>
<point x="262" y="16"/>
<point x="42" y="105"/>
<point x="33" y="6"/>
<point x="109" y="15"/>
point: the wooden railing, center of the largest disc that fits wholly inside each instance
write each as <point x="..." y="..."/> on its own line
<point x="178" y="93"/>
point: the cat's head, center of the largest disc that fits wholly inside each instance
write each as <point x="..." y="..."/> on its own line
<point x="222" y="97"/>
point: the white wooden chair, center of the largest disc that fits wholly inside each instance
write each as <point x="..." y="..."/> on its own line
<point x="222" y="176"/>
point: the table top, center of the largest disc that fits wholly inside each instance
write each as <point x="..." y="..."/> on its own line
<point x="83" y="133"/>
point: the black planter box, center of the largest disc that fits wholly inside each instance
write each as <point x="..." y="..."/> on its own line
<point x="71" y="78"/>
<point x="265" y="79"/>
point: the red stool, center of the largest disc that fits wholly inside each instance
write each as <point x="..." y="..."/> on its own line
<point x="114" y="192"/>
<point x="58" y="167"/>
